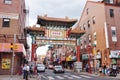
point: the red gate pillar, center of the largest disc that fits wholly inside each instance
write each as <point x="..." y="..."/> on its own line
<point x="78" y="53"/>
<point x="33" y="52"/>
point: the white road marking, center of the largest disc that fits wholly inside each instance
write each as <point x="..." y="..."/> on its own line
<point x="76" y="76"/>
<point x="85" y="76"/>
<point x="44" y="77"/>
<point x="68" y="77"/>
<point x="59" y="77"/>
<point x="50" y="78"/>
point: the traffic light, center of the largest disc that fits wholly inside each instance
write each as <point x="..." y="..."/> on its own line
<point x="11" y="46"/>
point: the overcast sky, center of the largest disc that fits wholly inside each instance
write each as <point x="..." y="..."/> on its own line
<point x="54" y="8"/>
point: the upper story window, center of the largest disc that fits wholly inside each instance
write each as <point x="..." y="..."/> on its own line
<point x="8" y="1"/>
<point x="88" y="23"/>
<point x="83" y="26"/>
<point x="94" y="36"/>
<point x="87" y="11"/>
<point x="111" y="13"/>
<point x="6" y="22"/>
<point x="114" y="35"/>
<point x="109" y="1"/>
<point x="93" y="19"/>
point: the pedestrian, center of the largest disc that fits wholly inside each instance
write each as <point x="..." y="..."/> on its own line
<point x="31" y="70"/>
<point x="87" y="67"/>
<point x="108" y="71"/>
<point x="27" y="71"/>
<point x="24" y="71"/>
<point x="104" y="69"/>
<point x="114" y="68"/>
<point x="97" y="67"/>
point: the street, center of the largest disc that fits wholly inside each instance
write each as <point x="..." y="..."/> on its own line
<point x="68" y="75"/>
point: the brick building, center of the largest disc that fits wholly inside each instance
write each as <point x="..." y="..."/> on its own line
<point x="12" y="24"/>
<point x="101" y="42"/>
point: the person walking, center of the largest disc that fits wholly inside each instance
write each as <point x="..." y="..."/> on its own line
<point x="87" y="67"/>
<point x="104" y="69"/>
<point x="24" y="71"/>
<point x="27" y="71"/>
<point x="31" y="70"/>
<point x="114" y="67"/>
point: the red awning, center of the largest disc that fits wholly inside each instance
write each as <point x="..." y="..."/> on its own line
<point x="5" y="47"/>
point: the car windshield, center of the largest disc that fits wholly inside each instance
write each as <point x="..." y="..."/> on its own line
<point x="40" y="65"/>
<point x="58" y="67"/>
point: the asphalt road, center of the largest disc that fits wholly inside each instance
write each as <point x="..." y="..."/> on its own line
<point x="68" y="75"/>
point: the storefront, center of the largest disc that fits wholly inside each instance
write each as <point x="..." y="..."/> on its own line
<point x="87" y="58"/>
<point x="115" y="56"/>
<point x="98" y="58"/>
<point x="6" y="56"/>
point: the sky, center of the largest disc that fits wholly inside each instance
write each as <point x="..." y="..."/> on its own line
<point x="53" y="8"/>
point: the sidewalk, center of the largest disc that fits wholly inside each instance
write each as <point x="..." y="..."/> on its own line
<point x="15" y="77"/>
<point x="93" y="74"/>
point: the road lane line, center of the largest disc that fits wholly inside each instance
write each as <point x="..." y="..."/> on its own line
<point x="68" y="77"/>
<point x="76" y="76"/>
<point x="44" y="77"/>
<point x="59" y="77"/>
<point x="85" y="76"/>
<point x="50" y="78"/>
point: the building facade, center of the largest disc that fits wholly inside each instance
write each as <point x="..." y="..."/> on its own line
<point x="12" y="39"/>
<point x="101" y="42"/>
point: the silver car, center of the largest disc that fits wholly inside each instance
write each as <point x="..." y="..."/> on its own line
<point x="40" y="67"/>
<point x="58" y="69"/>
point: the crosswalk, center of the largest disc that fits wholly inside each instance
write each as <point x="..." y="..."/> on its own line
<point x="66" y="77"/>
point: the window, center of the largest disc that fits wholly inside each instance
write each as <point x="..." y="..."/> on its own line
<point x="88" y="23"/>
<point x="8" y="1"/>
<point x="94" y="36"/>
<point x="111" y="13"/>
<point x="109" y="1"/>
<point x="83" y="26"/>
<point x="114" y="36"/>
<point x="6" y="22"/>
<point x="87" y="11"/>
<point x="93" y="19"/>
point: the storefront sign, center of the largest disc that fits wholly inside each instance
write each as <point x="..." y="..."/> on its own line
<point x="98" y="56"/>
<point x="115" y="54"/>
<point x="74" y="58"/>
<point x="85" y="56"/>
<point x="57" y="34"/>
<point x="6" y="63"/>
<point x="69" y="58"/>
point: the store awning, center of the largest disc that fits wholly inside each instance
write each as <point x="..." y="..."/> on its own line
<point x="5" y="47"/>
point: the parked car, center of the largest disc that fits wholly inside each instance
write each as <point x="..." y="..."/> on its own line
<point x="40" y="67"/>
<point x="58" y="69"/>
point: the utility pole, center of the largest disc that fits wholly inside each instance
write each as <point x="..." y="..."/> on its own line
<point x="13" y="54"/>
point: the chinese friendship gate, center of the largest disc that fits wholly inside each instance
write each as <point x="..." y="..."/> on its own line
<point x="55" y="31"/>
